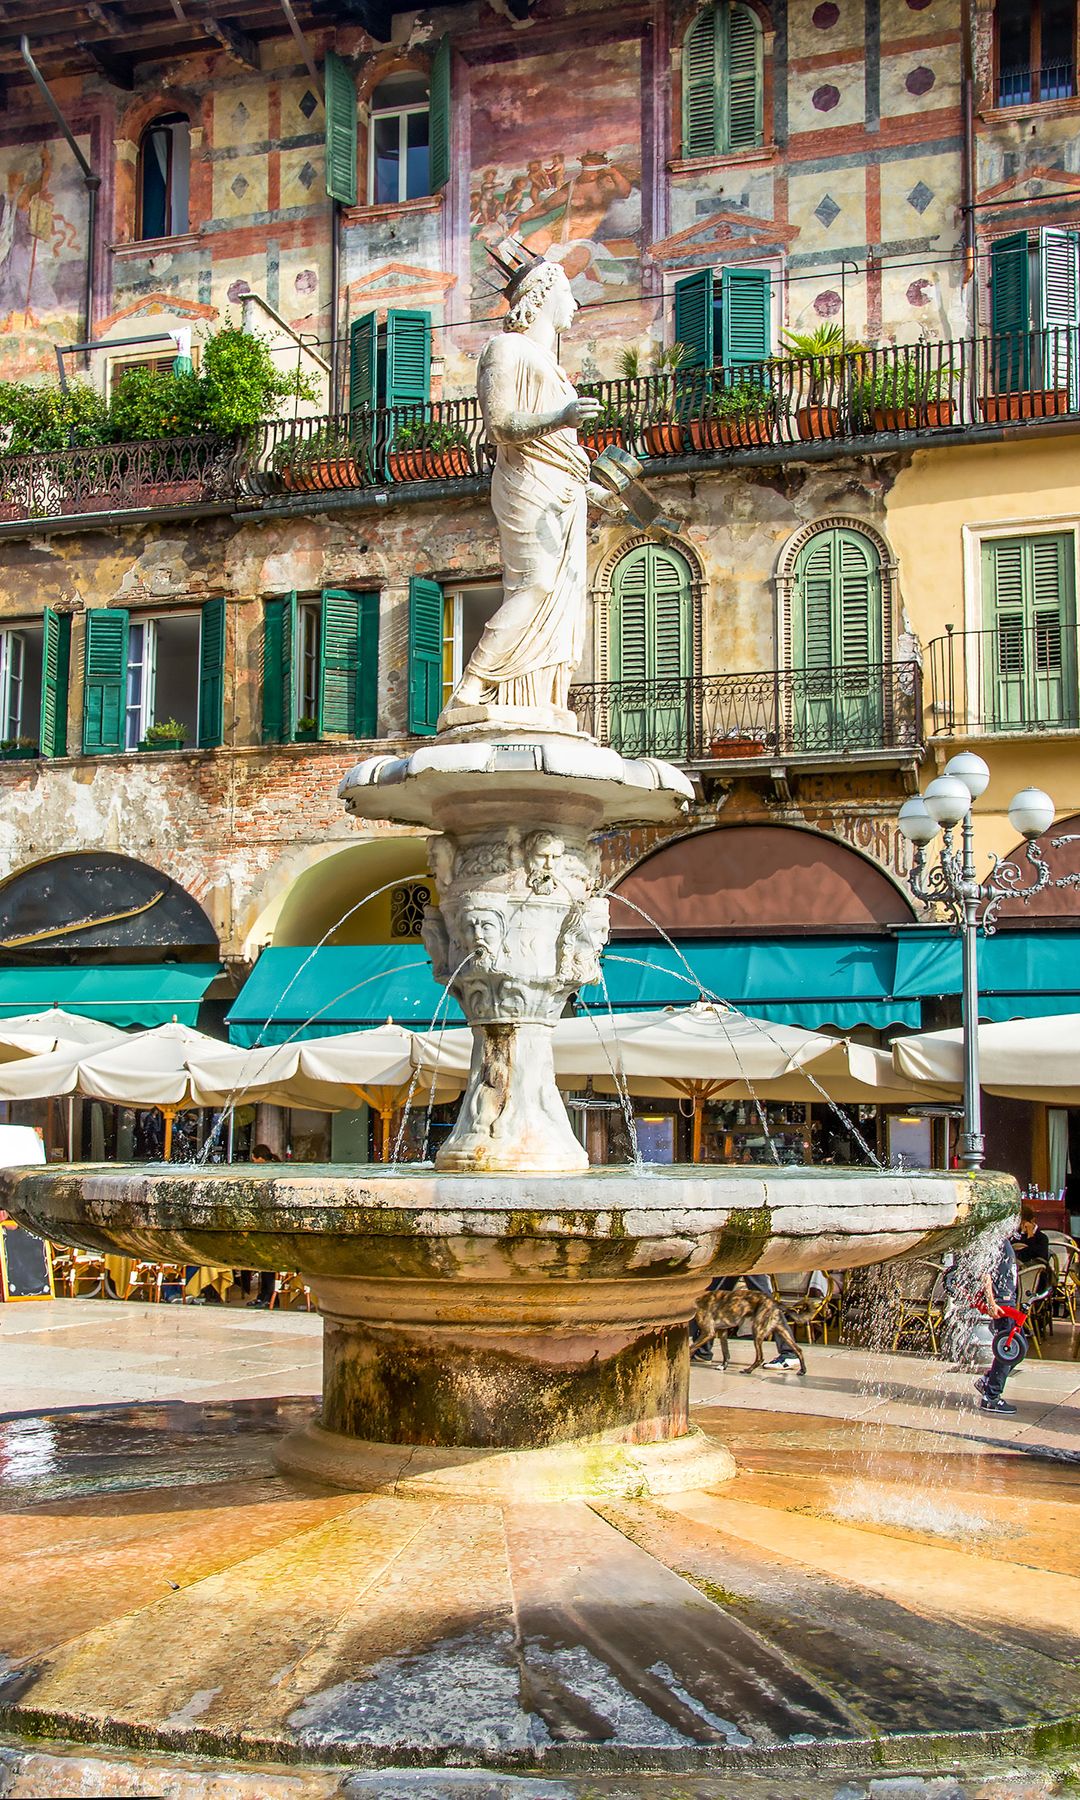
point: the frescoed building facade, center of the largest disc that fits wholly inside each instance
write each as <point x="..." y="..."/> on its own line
<point x="876" y="560"/>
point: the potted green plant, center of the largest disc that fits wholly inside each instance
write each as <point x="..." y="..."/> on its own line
<point x="609" y="426"/>
<point x="319" y="463"/>
<point x="1024" y="403"/>
<point x="664" y="434"/>
<point x="166" y="734"/>
<point x="826" y="356"/>
<point x="18" y="749"/>
<point x="743" y="414"/>
<point x="307" y="730"/>
<point x="903" y="397"/>
<point x="429" y="450"/>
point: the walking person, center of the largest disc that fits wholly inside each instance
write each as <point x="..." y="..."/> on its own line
<point x="1000" y="1290"/>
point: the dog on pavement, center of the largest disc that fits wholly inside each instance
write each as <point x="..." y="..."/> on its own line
<point x="720" y="1313"/>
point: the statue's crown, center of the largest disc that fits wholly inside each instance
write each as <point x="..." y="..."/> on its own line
<point x="514" y="262"/>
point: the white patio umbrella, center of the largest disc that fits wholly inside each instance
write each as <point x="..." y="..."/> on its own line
<point x="331" y="1074"/>
<point x="1023" y="1059"/>
<point x="41" y="1033"/>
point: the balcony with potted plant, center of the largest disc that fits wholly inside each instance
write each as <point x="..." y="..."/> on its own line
<point x="429" y="450"/>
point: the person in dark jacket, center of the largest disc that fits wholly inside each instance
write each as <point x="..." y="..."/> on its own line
<point x="1000" y="1290"/>
<point x="1034" y="1245"/>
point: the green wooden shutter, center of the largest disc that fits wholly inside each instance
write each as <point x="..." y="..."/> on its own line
<point x="105" y="681"/>
<point x="341" y="130"/>
<point x="1010" y="312"/>
<point x="1059" y="309"/>
<point x="837" y="698"/>
<point x="425" y="654"/>
<point x="744" y="79"/>
<point x="702" y="62"/>
<point x="362" y="363"/>
<point x="745" y="316"/>
<point x="348" y="663"/>
<point x="212" y="674"/>
<point x="408" y="358"/>
<point x="439" y="119"/>
<point x="651" y="653"/>
<point x="1030" y="613"/>
<point x="55" y="666"/>
<point x="694" y="319"/>
<point x="278" y="675"/>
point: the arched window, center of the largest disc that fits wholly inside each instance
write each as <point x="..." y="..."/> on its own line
<point x="399" y="157"/>
<point x="837" y="637"/>
<point x="163" y="177"/>
<point x="722" y="80"/>
<point x="650" y="651"/>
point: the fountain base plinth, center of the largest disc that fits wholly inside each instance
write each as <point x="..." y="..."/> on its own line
<point x="593" y="1468"/>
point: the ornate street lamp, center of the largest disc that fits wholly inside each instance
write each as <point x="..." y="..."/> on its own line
<point x="951" y="882"/>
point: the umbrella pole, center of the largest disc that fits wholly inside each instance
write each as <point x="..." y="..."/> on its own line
<point x="168" y="1113"/>
<point x="695" y="1129"/>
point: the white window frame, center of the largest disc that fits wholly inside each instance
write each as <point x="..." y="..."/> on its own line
<point x="143" y="713"/>
<point x="453" y="606"/>
<point x="402" y="114"/>
<point x="973" y="537"/>
<point x="309" y="627"/>
<point x="12" y="675"/>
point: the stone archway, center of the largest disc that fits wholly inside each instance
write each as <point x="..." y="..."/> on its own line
<point x="75" y="906"/>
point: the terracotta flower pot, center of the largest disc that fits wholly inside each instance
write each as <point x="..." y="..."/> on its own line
<point x="705" y="434"/>
<point x="736" y="746"/>
<point x="595" y="441"/>
<point x="752" y="430"/>
<point x="1027" y="403"/>
<point x="319" y="477"/>
<point x="665" y="438"/>
<point x="428" y="465"/>
<point x="817" y="422"/>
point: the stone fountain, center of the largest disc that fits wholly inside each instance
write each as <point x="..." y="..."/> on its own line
<point x="510" y="1325"/>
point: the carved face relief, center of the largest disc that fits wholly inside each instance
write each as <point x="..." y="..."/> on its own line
<point x="484" y="930"/>
<point x="543" y="854"/>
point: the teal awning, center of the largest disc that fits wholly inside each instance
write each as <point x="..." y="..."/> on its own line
<point x="841" y="981"/>
<point x="322" y="993"/>
<point x="140" y="994"/>
<point x="1022" y="974"/>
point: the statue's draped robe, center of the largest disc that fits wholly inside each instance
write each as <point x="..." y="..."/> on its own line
<point x="534" y="642"/>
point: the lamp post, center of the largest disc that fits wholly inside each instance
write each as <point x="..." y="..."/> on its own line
<point x="952" y="882"/>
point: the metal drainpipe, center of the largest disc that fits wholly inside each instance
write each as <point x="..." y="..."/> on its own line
<point x="335" y="307"/>
<point x="91" y="181"/>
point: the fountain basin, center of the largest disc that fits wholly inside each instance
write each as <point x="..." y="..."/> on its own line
<point x="479" y="1314"/>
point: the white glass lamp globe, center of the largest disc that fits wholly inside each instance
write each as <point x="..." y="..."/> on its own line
<point x="1031" y="812"/>
<point x="915" y="822"/>
<point x="947" y="799"/>
<point x="971" y="770"/>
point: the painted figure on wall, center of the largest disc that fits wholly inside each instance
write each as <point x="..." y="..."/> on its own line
<point x="41" y="257"/>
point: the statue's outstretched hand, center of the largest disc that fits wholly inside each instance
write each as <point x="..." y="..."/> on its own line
<point x="580" y="410"/>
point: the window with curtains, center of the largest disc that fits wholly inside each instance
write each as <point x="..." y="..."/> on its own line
<point x="723" y="68"/>
<point x="650" y="651"/>
<point x="143" y="669"/>
<point x="837" y="638"/>
<point x="163" y="177"/>
<point x="320" y="665"/>
<point x="1029" y="636"/>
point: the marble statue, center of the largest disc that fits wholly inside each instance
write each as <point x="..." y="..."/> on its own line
<point x="520" y="672"/>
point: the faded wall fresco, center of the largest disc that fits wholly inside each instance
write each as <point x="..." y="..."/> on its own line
<point x="42" y="251"/>
<point x="557" y="162"/>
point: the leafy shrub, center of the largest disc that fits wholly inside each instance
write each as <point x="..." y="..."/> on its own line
<point x="430" y="434"/>
<point x="49" y="418"/>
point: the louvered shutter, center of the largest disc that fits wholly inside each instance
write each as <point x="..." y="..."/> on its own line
<point x="814" y="588"/>
<point x="743" y="63"/>
<point x="694" y="319"/>
<point x="408" y="358"/>
<point x="362" y="363"/>
<point x="348" y="663"/>
<point x="1010" y="312"/>
<point x="745" y="316"/>
<point x="837" y="697"/>
<point x="702" y="53"/>
<point x="278" y="677"/>
<point x="1059" y="300"/>
<point x="105" y="681"/>
<point x="212" y="674"/>
<point x="1030" y="618"/>
<point x="439" y="118"/>
<point x="341" y="130"/>
<point x="55" y="666"/>
<point x="425" y="654"/>
<point x="651" y="653"/>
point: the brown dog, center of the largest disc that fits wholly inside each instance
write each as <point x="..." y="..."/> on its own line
<point x="719" y="1313"/>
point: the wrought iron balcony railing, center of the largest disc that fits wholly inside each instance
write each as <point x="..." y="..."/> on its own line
<point x="843" y="710"/>
<point x="1020" y="676"/>
<point x="762" y="412"/>
<point x="116" y="478"/>
<point x="928" y="390"/>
